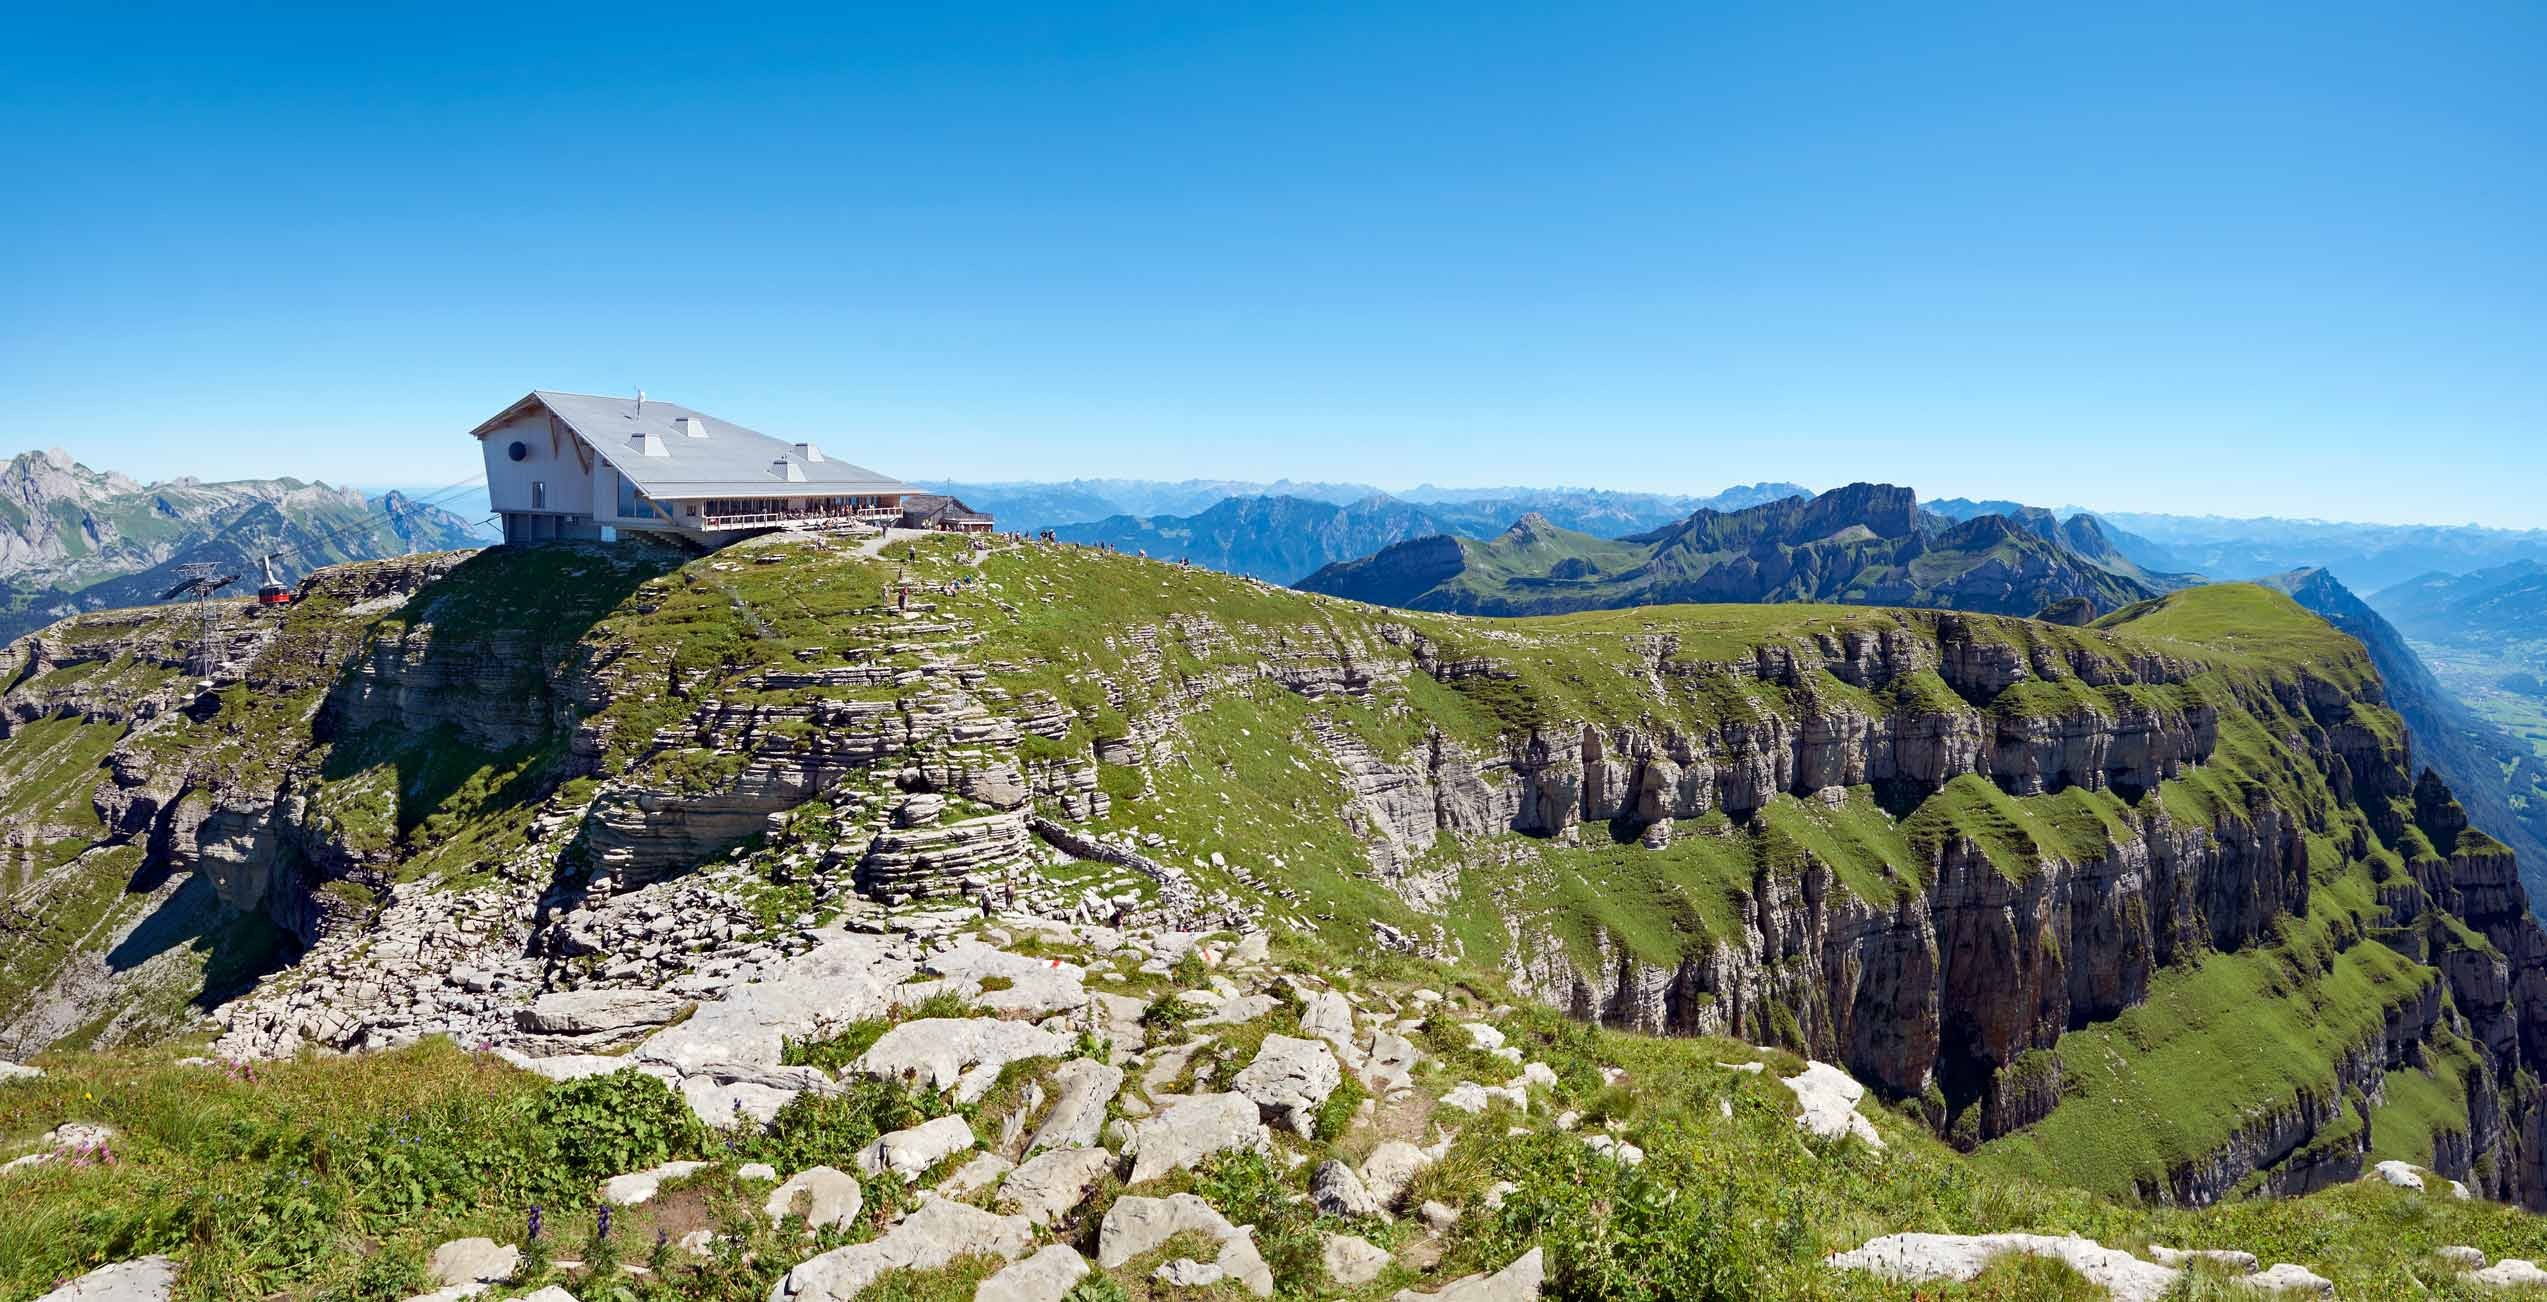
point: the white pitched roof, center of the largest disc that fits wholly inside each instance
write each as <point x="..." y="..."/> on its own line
<point x="730" y="462"/>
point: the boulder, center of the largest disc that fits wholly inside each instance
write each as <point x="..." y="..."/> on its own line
<point x="1391" y="1064"/>
<point x="934" y="1236"/>
<point x="14" y="1071"/>
<point x="1047" y="1276"/>
<point x="844" y="979"/>
<point x="1469" y="1096"/>
<point x="1827" y="1098"/>
<point x="1338" y="1192"/>
<point x="2283" y="1277"/>
<point x="1390" y="1168"/>
<point x="1082" y="1088"/>
<point x="143" y="1279"/>
<point x="1135" y="1225"/>
<point x="1350" y="1261"/>
<point x="910" y="1153"/>
<point x="1920" y="1258"/>
<point x="474" y="1261"/>
<point x="960" y="1053"/>
<point x="2400" y="1174"/>
<point x="1232" y="1012"/>
<point x="2461" y="1256"/>
<point x="2243" y="1263"/>
<point x="824" y="1196"/>
<point x="1518" y="1282"/>
<point x="1289" y="1078"/>
<point x="971" y="1178"/>
<point x="2510" y="1272"/>
<point x="1052" y="1184"/>
<point x="1192" y="1127"/>
<point x="1326" y="1015"/>
<point x="640" y="1186"/>
<point x="600" y="1016"/>
<point x="1035" y="987"/>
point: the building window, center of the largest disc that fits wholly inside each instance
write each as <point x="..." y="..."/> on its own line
<point x="539" y="495"/>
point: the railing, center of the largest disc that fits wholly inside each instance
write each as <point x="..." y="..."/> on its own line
<point x="878" y="516"/>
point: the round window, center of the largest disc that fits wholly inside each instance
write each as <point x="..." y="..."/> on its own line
<point x="518" y="451"/>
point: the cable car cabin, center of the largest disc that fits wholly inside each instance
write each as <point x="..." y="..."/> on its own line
<point x="274" y="594"/>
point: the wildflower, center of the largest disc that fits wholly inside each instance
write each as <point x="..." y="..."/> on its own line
<point x="601" y="1228"/>
<point x="534" y="1234"/>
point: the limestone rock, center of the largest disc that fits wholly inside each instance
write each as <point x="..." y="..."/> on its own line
<point x="2400" y="1174"/>
<point x="2283" y="1277"/>
<point x="934" y="1236"/>
<point x="474" y="1261"/>
<point x="823" y="1195"/>
<point x="962" y="1053"/>
<point x="971" y="1178"/>
<point x="1337" y="1191"/>
<point x="1518" y="1282"/>
<point x="844" y="979"/>
<point x="1052" y="1184"/>
<point x="1047" y="1276"/>
<point x="1192" y="1127"/>
<point x="640" y="1186"/>
<point x="1326" y="1015"/>
<point x="2461" y="1256"/>
<point x="1135" y="1225"/>
<point x="1828" y="1099"/>
<point x="1391" y="1064"/>
<point x="1083" y="1087"/>
<point x="601" y="1016"/>
<point x="1390" y="1168"/>
<point x="911" y="1153"/>
<point x="2243" y="1263"/>
<point x="2510" y="1272"/>
<point x="1289" y="1078"/>
<point x="1036" y="987"/>
<point x="1918" y="1258"/>
<point x="1232" y="1012"/>
<point x="1469" y="1096"/>
<point x="143" y="1279"/>
<point x="1351" y="1261"/>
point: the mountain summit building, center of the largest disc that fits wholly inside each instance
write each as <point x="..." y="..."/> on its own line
<point x="571" y="465"/>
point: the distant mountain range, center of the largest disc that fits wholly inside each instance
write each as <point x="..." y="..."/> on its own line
<point x="1032" y="507"/>
<point x="1284" y="538"/>
<point x="1866" y="544"/>
<point x="2364" y="557"/>
<point x="2500" y="604"/>
<point x="73" y="538"/>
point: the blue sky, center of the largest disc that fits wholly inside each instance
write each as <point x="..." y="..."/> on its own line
<point x="2265" y="258"/>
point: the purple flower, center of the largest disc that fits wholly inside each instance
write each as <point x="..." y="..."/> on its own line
<point x="534" y="1221"/>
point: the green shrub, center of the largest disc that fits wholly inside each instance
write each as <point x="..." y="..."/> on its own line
<point x="1097" y="1287"/>
<point x="601" y="1126"/>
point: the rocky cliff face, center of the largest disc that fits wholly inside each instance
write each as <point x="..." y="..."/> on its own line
<point x="1959" y="855"/>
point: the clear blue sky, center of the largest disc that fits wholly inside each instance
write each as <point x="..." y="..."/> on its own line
<point x="2266" y="257"/>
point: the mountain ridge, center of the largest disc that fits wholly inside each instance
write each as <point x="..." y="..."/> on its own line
<point x="76" y="538"/>
<point x="1864" y="544"/>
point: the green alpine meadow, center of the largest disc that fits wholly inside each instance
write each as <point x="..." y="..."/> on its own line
<point x="934" y="916"/>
